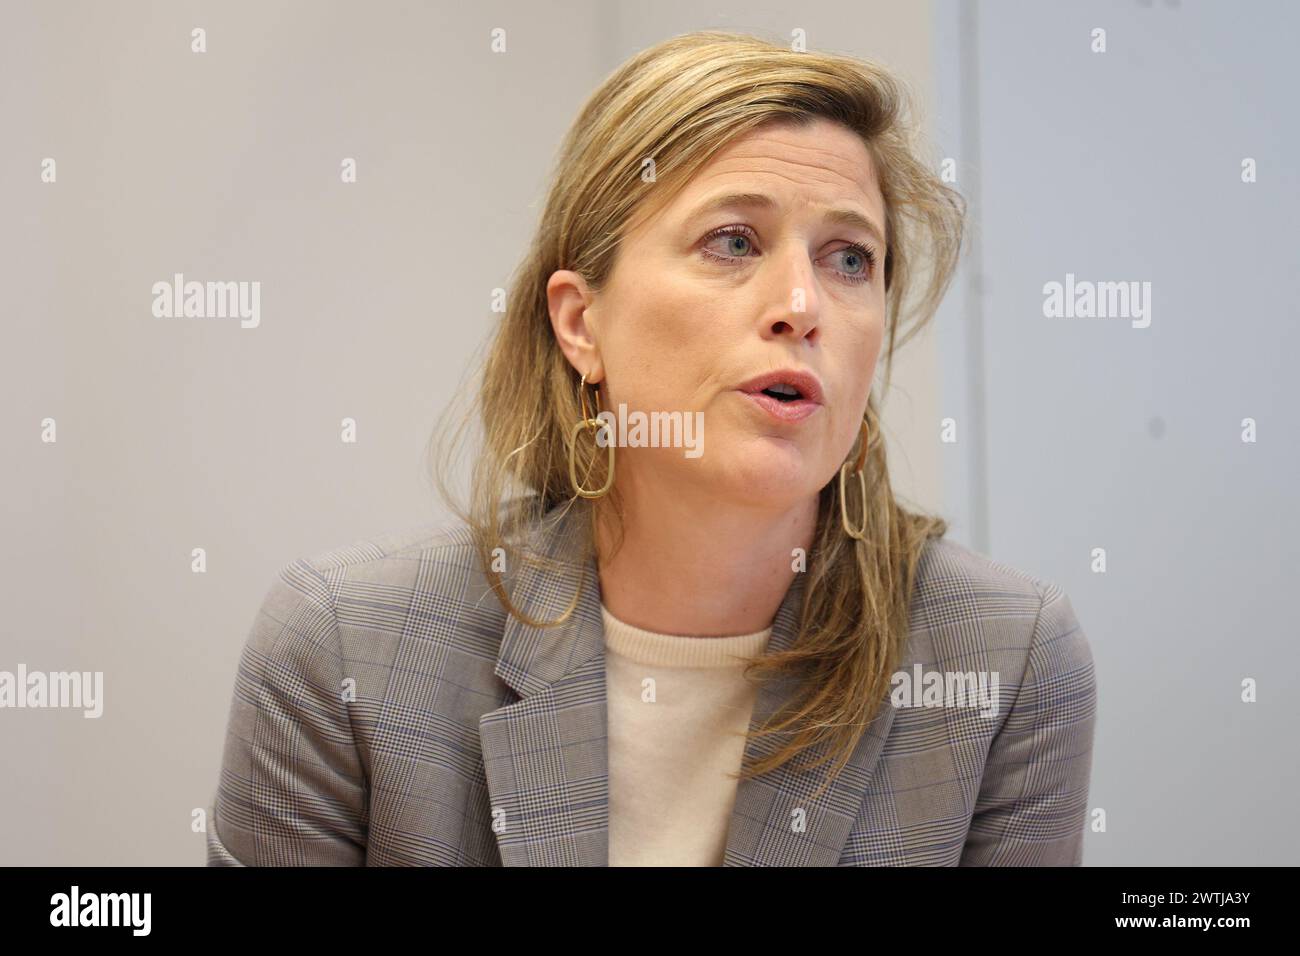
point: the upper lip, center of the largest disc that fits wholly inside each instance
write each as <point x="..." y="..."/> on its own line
<point x="809" y="386"/>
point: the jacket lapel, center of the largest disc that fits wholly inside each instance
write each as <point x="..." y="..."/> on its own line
<point x="776" y="821"/>
<point x="546" y="756"/>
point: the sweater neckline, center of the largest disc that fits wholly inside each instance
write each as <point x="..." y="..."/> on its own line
<point x="680" y="650"/>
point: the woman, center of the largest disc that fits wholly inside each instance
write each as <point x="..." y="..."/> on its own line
<point x="741" y="652"/>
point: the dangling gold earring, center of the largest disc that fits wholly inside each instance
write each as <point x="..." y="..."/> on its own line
<point x="858" y="533"/>
<point x="595" y="424"/>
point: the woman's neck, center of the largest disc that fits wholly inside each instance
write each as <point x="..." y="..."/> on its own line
<point x="700" y="567"/>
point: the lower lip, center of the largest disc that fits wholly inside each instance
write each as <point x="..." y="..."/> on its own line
<point x="795" y="411"/>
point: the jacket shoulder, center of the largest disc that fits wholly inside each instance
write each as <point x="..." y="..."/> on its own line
<point x="953" y="579"/>
<point x="979" y="614"/>
<point x="387" y="552"/>
<point x="424" y="581"/>
<point x="976" y="607"/>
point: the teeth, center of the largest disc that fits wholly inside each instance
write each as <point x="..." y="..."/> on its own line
<point x="783" y="389"/>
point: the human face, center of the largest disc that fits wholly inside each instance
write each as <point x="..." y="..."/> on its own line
<point x="703" y="298"/>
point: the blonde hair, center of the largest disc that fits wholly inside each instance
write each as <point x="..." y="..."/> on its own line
<point x="678" y="103"/>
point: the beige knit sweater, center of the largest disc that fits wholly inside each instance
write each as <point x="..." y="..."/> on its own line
<point x="678" y="711"/>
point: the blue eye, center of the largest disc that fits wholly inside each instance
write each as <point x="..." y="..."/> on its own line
<point x="736" y="234"/>
<point x="867" y="258"/>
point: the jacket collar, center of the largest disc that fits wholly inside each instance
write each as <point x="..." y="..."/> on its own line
<point x="546" y="756"/>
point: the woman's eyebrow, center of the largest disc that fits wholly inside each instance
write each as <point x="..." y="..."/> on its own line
<point x="838" y="216"/>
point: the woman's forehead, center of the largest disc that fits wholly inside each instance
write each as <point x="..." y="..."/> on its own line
<point x="821" y="159"/>
<point x="782" y="166"/>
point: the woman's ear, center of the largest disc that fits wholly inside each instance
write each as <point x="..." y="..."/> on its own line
<point x="570" y="303"/>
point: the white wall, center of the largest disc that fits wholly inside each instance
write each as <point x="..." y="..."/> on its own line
<point x="1083" y="433"/>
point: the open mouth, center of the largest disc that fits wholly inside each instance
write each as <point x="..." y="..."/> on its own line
<point x="786" y="395"/>
<point x="783" y="393"/>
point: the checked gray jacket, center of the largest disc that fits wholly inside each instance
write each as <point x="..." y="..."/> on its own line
<point x="387" y="711"/>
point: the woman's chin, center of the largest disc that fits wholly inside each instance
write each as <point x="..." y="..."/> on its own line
<point x="779" y="474"/>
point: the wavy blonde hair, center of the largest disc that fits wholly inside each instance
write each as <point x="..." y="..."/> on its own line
<point x="678" y="103"/>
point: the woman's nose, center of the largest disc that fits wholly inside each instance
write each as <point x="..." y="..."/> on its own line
<point x="795" y="291"/>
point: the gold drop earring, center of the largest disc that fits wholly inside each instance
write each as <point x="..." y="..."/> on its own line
<point x="594" y="424"/>
<point x="857" y="533"/>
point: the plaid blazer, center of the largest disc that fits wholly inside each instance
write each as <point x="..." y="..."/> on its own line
<point x="388" y="712"/>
